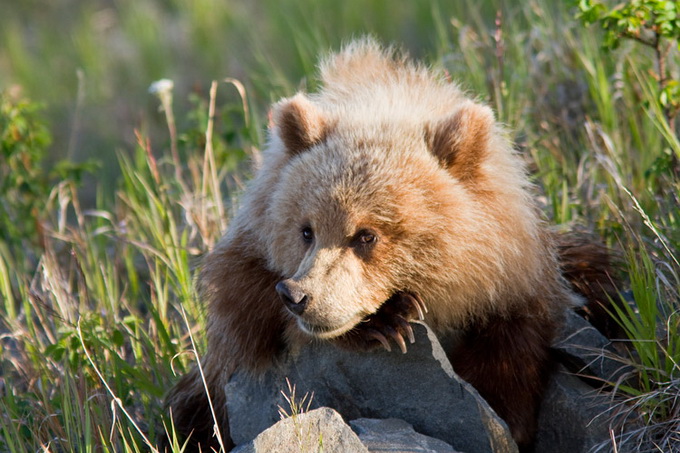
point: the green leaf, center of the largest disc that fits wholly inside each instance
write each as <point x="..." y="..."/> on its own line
<point x="118" y="338"/>
<point x="55" y="351"/>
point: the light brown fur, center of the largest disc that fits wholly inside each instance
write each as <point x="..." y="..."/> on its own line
<point x="388" y="150"/>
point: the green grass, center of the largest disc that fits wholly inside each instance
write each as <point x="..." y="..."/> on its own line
<point x="95" y="283"/>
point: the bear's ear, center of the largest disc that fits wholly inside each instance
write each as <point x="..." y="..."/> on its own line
<point x="299" y="123"/>
<point x="460" y="141"/>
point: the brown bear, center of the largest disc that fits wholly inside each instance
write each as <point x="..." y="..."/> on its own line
<point x="387" y="196"/>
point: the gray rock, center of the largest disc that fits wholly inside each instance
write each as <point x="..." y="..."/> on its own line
<point x="320" y="430"/>
<point x="396" y="436"/>
<point x="573" y="416"/>
<point x="585" y="351"/>
<point x="419" y="387"/>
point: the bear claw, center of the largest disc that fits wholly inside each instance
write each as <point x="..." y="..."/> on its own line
<point x="390" y="322"/>
<point x="372" y="333"/>
<point x="417" y="303"/>
<point x="404" y="324"/>
<point x="396" y="336"/>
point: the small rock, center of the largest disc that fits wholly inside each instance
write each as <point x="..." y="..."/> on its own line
<point x="586" y="352"/>
<point x="320" y="430"/>
<point x="419" y="387"/>
<point x="396" y="436"/>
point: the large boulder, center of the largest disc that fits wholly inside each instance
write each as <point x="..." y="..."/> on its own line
<point x="419" y="387"/>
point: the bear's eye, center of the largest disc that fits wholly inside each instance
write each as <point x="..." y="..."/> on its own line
<point x="307" y="234"/>
<point x="365" y="238"/>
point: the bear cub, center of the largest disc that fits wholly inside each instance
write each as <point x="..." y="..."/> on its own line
<point x="387" y="196"/>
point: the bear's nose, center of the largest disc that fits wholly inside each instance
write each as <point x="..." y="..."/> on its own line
<point x="292" y="296"/>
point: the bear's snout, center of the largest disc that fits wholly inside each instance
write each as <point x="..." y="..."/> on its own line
<point x="292" y="295"/>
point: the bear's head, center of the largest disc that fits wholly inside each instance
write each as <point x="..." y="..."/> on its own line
<point x="365" y="209"/>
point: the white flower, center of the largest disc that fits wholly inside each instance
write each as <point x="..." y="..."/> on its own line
<point x="161" y="87"/>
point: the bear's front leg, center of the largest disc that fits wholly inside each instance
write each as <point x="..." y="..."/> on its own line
<point x="390" y="321"/>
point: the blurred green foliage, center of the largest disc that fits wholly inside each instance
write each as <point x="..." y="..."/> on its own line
<point x="91" y="62"/>
<point x="25" y="181"/>
<point x="652" y="23"/>
<point x="643" y="20"/>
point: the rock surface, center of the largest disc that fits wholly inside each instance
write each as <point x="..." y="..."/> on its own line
<point x="585" y="351"/>
<point x="573" y="416"/>
<point x="419" y="387"/>
<point x="320" y="430"/>
<point x="396" y="436"/>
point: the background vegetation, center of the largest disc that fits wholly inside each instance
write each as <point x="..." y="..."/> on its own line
<point x="107" y="202"/>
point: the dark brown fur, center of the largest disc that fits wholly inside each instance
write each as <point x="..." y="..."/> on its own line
<point x="252" y="301"/>
<point x="507" y="359"/>
<point x="188" y="403"/>
<point x="591" y="269"/>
